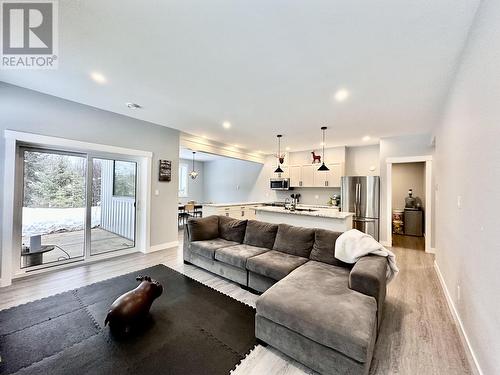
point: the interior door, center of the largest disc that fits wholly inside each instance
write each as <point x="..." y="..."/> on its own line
<point x="113" y="205"/>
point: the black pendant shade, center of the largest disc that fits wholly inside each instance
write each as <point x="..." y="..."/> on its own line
<point x="279" y="170"/>
<point x="323" y="167"/>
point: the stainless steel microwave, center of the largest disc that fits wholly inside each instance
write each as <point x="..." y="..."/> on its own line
<point x="280" y="183"/>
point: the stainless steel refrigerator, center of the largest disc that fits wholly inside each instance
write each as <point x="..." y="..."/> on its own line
<point x="361" y="195"/>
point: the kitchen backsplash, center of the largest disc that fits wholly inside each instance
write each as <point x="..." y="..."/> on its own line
<point x="309" y="195"/>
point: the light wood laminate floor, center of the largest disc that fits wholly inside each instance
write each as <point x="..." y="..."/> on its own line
<point x="417" y="336"/>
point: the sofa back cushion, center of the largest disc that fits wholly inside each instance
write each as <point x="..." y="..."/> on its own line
<point x="232" y="229"/>
<point x="260" y="234"/>
<point x="324" y="248"/>
<point x="202" y="229"/>
<point x="294" y="240"/>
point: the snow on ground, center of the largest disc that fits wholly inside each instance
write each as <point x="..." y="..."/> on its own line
<point x="49" y="220"/>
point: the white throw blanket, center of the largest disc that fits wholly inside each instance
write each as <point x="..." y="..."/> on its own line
<point x="353" y="244"/>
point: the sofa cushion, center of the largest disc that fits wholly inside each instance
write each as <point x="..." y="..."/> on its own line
<point x="260" y="234"/>
<point x="274" y="264"/>
<point x="316" y="302"/>
<point x="207" y="248"/>
<point x="202" y="229"/>
<point x="294" y="240"/>
<point x="237" y="255"/>
<point x="232" y="229"/>
<point x="324" y="248"/>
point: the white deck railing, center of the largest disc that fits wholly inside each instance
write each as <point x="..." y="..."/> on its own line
<point x="118" y="216"/>
<point x="117" y="213"/>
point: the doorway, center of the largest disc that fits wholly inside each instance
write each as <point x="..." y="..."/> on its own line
<point x="408" y="205"/>
<point x="409" y="202"/>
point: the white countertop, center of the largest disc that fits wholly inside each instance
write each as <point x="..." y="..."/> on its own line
<point x="319" y="212"/>
<point x="233" y="204"/>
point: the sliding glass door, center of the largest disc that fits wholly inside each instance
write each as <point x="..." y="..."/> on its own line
<point x="53" y="207"/>
<point x="75" y="206"/>
<point x="113" y="205"/>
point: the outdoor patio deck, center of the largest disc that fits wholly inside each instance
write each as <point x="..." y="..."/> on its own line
<point x="73" y="243"/>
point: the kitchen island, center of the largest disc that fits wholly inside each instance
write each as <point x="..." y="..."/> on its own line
<point x="309" y="217"/>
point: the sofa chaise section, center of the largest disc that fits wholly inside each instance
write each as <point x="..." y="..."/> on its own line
<point x="315" y="304"/>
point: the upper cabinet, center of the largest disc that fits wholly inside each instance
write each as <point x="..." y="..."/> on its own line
<point x="302" y="173"/>
<point x="295" y="172"/>
<point x="309" y="176"/>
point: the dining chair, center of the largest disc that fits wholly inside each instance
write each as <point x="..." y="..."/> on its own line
<point x="188" y="212"/>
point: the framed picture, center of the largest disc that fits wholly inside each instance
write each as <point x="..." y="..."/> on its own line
<point x="165" y="171"/>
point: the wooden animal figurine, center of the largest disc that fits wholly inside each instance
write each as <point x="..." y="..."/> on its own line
<point x="132" y="307"/>
<point x="316" y="158"/>
<point x="280" y="157"/>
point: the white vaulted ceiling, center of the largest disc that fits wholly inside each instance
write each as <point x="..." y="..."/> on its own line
<point x="266" y="66"/>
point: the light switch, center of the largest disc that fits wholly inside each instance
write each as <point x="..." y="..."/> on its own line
<point x="157" y="192"/>
<point x="459" y="202"/>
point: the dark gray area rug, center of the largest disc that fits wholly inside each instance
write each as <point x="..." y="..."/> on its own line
<point x="192" y="329"/>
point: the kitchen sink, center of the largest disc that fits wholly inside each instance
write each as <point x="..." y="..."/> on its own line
<point x="304" y="210"/>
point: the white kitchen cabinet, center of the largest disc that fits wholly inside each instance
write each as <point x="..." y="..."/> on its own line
<point x="241" y="212"/>
<point x="295" y="175"/>
<point x="307" y="175"/>
<point x="321" y="178"/>
<point x="330" y="178"/>
<point x="250" y="212"/>
<point x="334" y="174"/>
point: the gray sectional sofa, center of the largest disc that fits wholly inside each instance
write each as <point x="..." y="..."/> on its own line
<point x="314" y="308"/>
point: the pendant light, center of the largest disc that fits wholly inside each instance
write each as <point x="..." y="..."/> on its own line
<point x="193" y="174"/>
<point x="279" y="170"/>
<point x="323" y="167"/>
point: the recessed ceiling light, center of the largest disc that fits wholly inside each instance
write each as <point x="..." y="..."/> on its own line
<point x="288" y="149"/>
<point x="341" y="95"/>
<point x="226" y="124"/>
<point x="322" y="144"/>
<point x="366" y="138"/>
<point x="133" y="105"/>
<point x="236" y="146"/>
<point x="98" y="77"/>
<point x="204" y="136"/>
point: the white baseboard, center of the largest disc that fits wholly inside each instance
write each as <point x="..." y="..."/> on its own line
<point x="163" y="246"/>
<point x="454" y="312"/>
<point x="432" y="250"/>
<point x="386" y="243"/>
<point x="5" y="282"/>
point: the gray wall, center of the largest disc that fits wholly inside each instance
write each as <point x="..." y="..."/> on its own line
<point x="407" y="176"/>
<point x="468" y="166"/>
<point x="29" y="111"/>
<point x="196" y="186"/>
<point x="231" y="180"/>
<point x="359" y="160"/>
